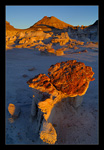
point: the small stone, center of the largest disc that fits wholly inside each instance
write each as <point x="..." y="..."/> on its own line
<point x="11" y="109"/>
<point x="54" y="125"/>
<point x="31" y="69"/>
<point x="51" y="50"/>
<point x="84" y="51"/>
<point x="25" y="75"/>
<point x="59" y="52"/>
<point x="75" y="47"/>
<point x="14" y="110"/>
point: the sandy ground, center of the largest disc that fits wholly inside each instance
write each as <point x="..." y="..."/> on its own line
<point x="84" y="127"/>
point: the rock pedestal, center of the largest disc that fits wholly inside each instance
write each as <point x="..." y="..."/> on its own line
<point x="58" y="95"/>
<point x="76" y="101"/>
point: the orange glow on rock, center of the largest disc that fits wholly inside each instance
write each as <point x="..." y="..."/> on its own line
<point x="48" y="134"/>
<point x="11" y="109"/>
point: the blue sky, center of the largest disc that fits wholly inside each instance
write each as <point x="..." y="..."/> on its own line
<point x="25" y="16"/>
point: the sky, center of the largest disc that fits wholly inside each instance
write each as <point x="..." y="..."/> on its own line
<point x="25" y="16"/>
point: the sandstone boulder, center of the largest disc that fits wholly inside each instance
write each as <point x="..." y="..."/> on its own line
<point x="71" y="77"/>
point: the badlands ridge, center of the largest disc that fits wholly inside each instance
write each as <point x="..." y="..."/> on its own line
<point x="48" y="34"/>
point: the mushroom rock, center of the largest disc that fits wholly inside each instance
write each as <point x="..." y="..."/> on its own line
<point x="68" y="81"/>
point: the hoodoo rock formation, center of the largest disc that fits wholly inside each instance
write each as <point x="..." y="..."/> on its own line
<point x="67" y="81"/>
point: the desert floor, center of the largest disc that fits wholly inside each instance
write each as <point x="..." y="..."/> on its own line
<point x="84" y="127"/>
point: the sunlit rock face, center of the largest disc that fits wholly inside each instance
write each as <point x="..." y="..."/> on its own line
<point x="48" y="133"/>
<point x="14" y="111"/>
<point x="52" y="22"/>
<point x="71" y="77"/>
<point x="67" y="82"/>
<point x="11" y="109"/>
<point x="42" y="83"/>
<point x="62" y="39"/>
